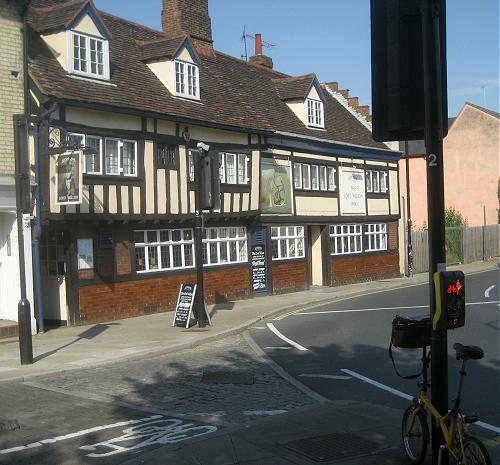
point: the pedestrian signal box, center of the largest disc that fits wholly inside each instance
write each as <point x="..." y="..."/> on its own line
<point x="450" y="300"/>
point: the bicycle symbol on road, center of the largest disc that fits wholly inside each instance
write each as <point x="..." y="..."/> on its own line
<point x="161" y="432"/>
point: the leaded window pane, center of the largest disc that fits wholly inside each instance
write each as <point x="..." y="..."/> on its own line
<point x="111" y="156"/>
<point x="177" y="255"/>
<point x="128" y="158"/>
<point x="153" y="258"/>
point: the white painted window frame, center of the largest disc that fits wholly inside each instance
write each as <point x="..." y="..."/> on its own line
<point x="376" y="237"/>
<point x="233" y="234"/>
<point x="120" y="157"/>
<point x="297" y="171"/>
<point x="71" y="55"/>
<point x="378" y="175"/>
<point x="340" y="239"/>
<point x="158" y="244"/>
<point x="185" y="76"/>
<point x="292" y="236"/>
<point x="84" y="144"/>
<point x="315" y="113"/>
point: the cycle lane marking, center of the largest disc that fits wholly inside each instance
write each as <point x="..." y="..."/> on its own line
<point x="487" y="291"/>
<point x="284" y="338"/>
<point x="482" y="424"/>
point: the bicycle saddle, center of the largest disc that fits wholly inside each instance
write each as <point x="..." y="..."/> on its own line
<point x="468" y="352"/>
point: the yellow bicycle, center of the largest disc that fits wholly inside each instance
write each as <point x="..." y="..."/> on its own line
<point x="463" y="448"/>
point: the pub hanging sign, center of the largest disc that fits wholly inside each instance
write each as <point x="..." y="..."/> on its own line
<point x="69" y="177"/>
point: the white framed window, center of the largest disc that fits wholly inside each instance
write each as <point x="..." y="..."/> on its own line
<point x="224" y="245"/>
<point x="120" y="157"/>
<point x="163" y="249"/>
<point x="346" y="239"/>
<point x="230" y="165"/>
<point x="376" y="237"/>
<point x="314" y="177"/>
<point x="331" y="178"/>
<point x="297" y="175"/>
<point x="376" y="181"/>
<point x="287" y="242"/>
<point x="92" y="163"/>
<point x="233" y="168"/>
<point x="306" y="177"/>
<point x="315" y="113"/>
<point x="186" y="80"/>
<point x="89" y="55"/>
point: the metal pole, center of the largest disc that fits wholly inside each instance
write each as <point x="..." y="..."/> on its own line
<point x="37" y="230"/>
<point x="435" y="204"/>
<point x="408" y="211"/>
<point x="23" y="307"/>
<point x="198" y="237"/>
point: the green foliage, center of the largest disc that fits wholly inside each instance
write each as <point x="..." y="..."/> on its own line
<point x="453" y="217"/>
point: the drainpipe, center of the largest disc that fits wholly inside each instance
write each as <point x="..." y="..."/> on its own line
<point x="40" y="120"/>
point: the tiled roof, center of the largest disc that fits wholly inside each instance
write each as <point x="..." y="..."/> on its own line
<point x="294" y="87"/>
<point x="233" y="92"/>
<point x="52" y="15"/>
<point x="163" y="48"/>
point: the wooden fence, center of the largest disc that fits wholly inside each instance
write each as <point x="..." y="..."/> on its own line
<point x="463" y="245"/>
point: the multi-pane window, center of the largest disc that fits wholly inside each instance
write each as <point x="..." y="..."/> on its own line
<point x="233" y="168"/>
<point x="166" y="155"/>
<point x="376" y="181"/>
<point x="52" y="253"/>
<point x="120" y="156"/>
<point x="90" y="56"/>
<point x="224" y="245"/>
<point x="186" y="80"/>
<point x="315" y="113"/>
<point x="287" y="242"/>
<point x="315" y="177"/>
<point x="346" y="239"/>
<point x="164" y="249"/>
<point x="376" y="237"/>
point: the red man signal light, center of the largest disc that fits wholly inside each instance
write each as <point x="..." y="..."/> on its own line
<point x="450" y="300"/>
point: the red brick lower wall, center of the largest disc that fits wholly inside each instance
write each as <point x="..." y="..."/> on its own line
<point x="289" y="277"/>
<point x="125" y="299"/>
<point x="359" y="268"/>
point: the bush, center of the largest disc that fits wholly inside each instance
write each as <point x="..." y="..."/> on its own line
<point x="454" y="222"/>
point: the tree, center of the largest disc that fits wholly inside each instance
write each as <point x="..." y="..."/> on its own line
<point x="453" y="217"/>
<point x="454" y="222"/>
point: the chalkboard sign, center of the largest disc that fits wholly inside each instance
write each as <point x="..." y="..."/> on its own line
<point x="259" y="275"/>
<point x="184" y="305"/>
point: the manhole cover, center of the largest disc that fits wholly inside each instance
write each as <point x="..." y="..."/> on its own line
<point x="227" y="377"/>
<point x="332" y="446"/>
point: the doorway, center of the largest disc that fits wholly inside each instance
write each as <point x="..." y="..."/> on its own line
<point x="315" y="255"/>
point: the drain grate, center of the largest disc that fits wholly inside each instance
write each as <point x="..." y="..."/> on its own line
<point x="332" y="447"/>
<point x="9" y="425"/>
<point x="227" y="377"/>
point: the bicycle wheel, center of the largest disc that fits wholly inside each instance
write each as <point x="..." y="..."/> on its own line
<point x="474" y="452"/>
<point x="415" y="437"/>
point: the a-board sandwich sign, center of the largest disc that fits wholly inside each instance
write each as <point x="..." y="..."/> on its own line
<point x="184" y="305"/>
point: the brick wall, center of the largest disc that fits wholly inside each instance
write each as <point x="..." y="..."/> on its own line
<point x="289" y="277"/>
<point x="363" y="267"/>
<point x="103" y="302"/>
<point x="11" y="79"/>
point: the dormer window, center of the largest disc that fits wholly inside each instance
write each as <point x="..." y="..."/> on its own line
<point x="90" y="56"/>
<point x="186" y="80"/>
<point x="315" y="113"/>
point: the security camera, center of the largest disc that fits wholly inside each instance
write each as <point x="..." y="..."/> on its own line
<point x="202" y="146"/>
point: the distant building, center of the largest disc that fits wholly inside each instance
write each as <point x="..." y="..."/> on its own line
<point x="308" y="197"/>
<point x="11" y="103"/>
<point x="471" y="168"/>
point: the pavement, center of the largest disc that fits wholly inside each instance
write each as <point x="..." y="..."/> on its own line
<point x="352" y="433"/>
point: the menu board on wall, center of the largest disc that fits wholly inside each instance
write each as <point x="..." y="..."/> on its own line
<point x="259" y="275"/>
<point x="352" y="191"/>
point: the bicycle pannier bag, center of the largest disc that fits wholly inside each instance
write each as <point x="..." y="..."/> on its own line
<point x="411" y="332"/>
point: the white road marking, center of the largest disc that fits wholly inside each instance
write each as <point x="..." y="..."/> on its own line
<point x="78" y="434"/>
<point x="487" y="291"/>
<point x="482" y="424"/>
<point x="292" y="343"/>
<point x="278" y="348"/>
<point x="325" y="376"/>
<point x="382" y="308"/>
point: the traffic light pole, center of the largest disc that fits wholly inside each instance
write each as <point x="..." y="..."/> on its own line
<point x="198" y="237"/>
<point x="432" y="9"/>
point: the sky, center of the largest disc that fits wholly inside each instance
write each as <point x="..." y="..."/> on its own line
<point x="332" y="39"/>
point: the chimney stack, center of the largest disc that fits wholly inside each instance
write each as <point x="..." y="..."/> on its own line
<point x="189" y="17"/>
<point x="259" y="58"/>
